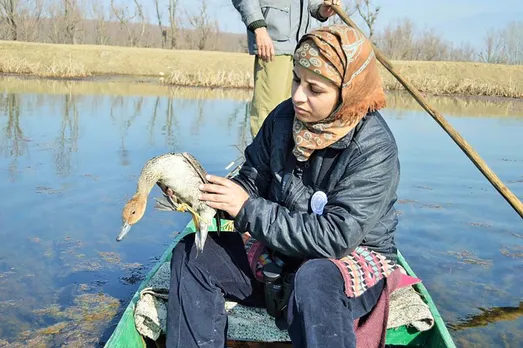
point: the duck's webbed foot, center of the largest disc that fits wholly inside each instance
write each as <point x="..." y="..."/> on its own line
<point x="183" y="207"/>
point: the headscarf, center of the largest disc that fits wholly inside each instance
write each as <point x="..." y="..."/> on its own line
<point x="344" y="56"/>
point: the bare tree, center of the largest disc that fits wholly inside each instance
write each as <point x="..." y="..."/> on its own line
<point x="203" y="25"/>
<point x="493" y="47"/>
<point x="71" y="17"/>
<point x="163" y="33"/>
<point x="402" y="41"/>
<point x="464" y="53"/>
<point x="173" y="23"/>
<point x="429" y="46"/>
<point x="512" y="38"/>
<point x="54" y="32"/>
<point x="397" y="40"/>
<point x="368" y="14"/>
<point x="504" y="46"/>
<point x="31" y="13"/>
<point x="124" y="16"/>
<point x="9" y="10"/>
<point x="98" y="14"/>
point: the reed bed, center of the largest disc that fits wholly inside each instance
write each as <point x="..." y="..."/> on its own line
<point x="234" y="70"/>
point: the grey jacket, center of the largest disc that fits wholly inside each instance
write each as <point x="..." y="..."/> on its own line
<point x="286" y="21"/>
<point x="360" y="185"/>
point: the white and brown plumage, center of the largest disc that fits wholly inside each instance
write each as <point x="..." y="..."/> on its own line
<point x="182" y="175"/>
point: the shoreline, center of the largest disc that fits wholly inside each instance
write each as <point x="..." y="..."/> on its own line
<point x="156" y="81"/>
<point x="111" y="85"/>
<point x="228" y="70"/>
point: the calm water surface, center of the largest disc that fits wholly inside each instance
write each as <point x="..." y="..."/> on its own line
<point x="70" y="156"/>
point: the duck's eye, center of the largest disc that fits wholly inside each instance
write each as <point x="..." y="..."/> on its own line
<point x="133" y="212"/>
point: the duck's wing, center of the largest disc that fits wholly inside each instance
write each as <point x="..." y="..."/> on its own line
<point x="196" y="166"/>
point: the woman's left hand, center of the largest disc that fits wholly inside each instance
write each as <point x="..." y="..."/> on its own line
<point x="223" y="194"/>
<point x="326" y="10"/>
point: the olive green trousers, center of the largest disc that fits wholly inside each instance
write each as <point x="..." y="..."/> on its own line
<point x="272" y="85"/>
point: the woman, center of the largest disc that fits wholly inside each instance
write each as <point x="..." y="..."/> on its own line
<point x="316" y="194"/>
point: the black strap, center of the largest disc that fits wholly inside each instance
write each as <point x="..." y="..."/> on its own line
<point x="326" y="167"/>
<point x="290" y="164"/>
<point x="329" y="158"/>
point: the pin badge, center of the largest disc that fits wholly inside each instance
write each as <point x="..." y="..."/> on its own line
<point x="318" y="202"/>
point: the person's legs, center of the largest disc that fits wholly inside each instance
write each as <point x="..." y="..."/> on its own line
<point x="319" y="313"/>
<point x="196" y="313"/>
<point x="272" y="85"/>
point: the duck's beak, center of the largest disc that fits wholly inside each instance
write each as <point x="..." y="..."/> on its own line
<point x="125" y="229"/>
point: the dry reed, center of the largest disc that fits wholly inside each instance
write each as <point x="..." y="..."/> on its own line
<point x="234" y="70"/>
<point x="58" y="68"/>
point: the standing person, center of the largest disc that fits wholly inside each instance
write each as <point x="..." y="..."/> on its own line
<point x="316" y="193"/>
<point x="274" y="27"/>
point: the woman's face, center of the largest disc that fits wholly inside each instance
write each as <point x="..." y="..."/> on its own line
<point x="314" y="96"/>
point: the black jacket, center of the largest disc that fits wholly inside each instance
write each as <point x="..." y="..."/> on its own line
<point x="360" y="184"/>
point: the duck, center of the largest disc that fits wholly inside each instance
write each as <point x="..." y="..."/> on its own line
<point x="179" y="175"/>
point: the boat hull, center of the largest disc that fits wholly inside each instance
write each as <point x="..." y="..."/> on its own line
<point x="125" y="334"/>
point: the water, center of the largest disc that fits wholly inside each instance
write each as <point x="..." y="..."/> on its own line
<point x="71" y="153"/>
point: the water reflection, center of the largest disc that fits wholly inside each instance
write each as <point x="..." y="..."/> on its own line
<point x="66" y="143"/>
<point x="14" y="143"/>
<point x="72" y="152"/>
<point x="118" y="87"/>
<point x="459" y="106"/>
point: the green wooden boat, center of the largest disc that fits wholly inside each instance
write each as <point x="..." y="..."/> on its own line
<point x="126" y="335"/>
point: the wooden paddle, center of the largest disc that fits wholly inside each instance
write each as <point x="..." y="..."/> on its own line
<point x="458" y="139"/>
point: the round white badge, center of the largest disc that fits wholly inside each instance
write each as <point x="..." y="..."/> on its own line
<point x="318" y="202"/>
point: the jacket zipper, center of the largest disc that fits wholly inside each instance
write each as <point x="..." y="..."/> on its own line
<point x="291" y="198"/>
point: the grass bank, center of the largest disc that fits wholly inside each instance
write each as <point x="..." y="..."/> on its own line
<point x="226" y="69"/>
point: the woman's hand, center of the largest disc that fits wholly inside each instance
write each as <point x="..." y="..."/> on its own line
<point x="223" y="194"/>
<point x="326" y="10"/>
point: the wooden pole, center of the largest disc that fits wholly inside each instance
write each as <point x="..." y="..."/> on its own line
<point x="458" y="139"/>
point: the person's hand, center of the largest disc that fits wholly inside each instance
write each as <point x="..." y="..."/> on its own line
<point x="264" y="44"/>
<point x="326" y="10"/>
<point x="223" y="194"/>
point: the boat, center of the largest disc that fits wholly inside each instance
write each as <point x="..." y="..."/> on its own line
<point x="126" y="335"/>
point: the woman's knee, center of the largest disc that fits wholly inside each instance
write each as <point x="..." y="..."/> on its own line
<point x="183" y="257"/>
<point x="317" y="276"/>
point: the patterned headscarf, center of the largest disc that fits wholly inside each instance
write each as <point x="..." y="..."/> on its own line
<point x="344" y="56"/>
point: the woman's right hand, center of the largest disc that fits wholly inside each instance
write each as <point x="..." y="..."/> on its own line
<point x="264" y="44"/>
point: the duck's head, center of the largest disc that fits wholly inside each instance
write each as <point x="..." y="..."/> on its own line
<point x="132" y="213"/>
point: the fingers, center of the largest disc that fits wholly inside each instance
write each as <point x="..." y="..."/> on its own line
<point x="261" y="52"/>
<point x="210" y="197"/>
<point x="265" y="46"/>
<point x="219" y="180"/>
<point x="218" y="206"/>
<point x="211" y="188"/>
<point x="262" y="49"/>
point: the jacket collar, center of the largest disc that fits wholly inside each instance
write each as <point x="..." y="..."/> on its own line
<point x="344" y="142"/>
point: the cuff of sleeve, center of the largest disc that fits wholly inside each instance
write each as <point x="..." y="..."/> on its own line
<point x="241" y="222"/>
<point x="256" y="24"/>
<point x="318" y="15"/>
